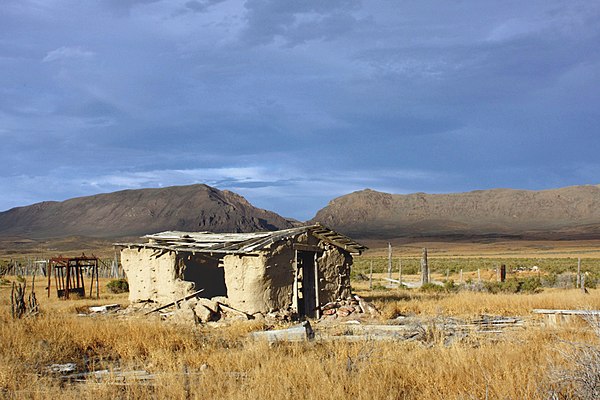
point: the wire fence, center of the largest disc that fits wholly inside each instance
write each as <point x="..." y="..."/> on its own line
<point x="107" y="267"/>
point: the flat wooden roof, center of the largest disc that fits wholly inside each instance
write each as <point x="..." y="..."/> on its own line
<point x="240" y="243"/>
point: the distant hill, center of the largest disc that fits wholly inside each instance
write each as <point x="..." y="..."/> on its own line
<point x="572" y="212"/>
<point x="138" y="212"/>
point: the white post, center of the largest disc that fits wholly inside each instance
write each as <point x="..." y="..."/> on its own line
<point x="399" y="272"/>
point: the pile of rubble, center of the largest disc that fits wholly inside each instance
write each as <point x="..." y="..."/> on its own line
<point x="196" y="310"/>
<point x="348" y="307"/>
<point x="203" y="310"/>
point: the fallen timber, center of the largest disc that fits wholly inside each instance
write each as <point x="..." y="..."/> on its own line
<point x="174" y="303"/>
<point x="566" y="312"/>
<point x="558" y="317"/>
<point x="296" y="333"/>
<point x="405" y="329"/>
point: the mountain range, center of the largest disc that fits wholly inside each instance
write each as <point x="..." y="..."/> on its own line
<point x="139" y="212"/>
<point x="558" y="213"/>
<point x="572" y="212"/>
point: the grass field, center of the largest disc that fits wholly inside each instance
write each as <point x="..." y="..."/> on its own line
<point x="202" y="362"/>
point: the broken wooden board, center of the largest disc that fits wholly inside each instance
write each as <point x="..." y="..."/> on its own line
<point x="559" y="317"/>
<point x="105" y="308"/>
<point x="189" y="296"/>
<point x="297" y="333"/>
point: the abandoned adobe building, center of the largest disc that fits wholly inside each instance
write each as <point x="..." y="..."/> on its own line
<point x="295" y="269"/>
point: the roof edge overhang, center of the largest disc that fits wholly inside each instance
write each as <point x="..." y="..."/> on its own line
<point x="240" y="243"/>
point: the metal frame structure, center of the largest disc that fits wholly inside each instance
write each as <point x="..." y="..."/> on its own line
<point x="69" y="275"/>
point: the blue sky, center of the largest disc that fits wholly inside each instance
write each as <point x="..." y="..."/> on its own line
<point x="293" y="103"/>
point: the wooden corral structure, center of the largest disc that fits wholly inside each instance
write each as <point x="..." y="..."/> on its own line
<point x="296" y="269"/>
<point x="69" y="273"/>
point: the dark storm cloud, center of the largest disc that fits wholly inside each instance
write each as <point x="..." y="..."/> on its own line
<point x="299" y="21"/>
<point x="201" y="6"/>
<point x="261" y="96"/>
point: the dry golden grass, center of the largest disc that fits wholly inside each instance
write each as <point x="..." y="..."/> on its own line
<point x="472" y="304"/>
<point x="211" y="363"/>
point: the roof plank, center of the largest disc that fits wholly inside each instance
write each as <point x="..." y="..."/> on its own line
<point x="239" y="243"/>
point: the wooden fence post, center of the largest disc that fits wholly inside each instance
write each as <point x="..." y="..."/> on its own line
<point x="424" y="268"/>
<point x="578" y="273"/>
<point x="371" y="277"/>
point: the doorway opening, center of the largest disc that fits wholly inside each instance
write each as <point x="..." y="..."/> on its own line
<point x="307" y="283"/>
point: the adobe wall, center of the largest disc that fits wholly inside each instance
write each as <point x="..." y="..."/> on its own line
<point x="253" y="283"/>
<point x="151" y="277"/>
<point x="260" y="283"/>
<point x="266" y="282"/>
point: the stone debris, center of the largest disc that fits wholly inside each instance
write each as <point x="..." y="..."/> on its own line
<point x="203" y="310"/>
<point x="203" y="313"/>
<point x="351" y="306"/>
<point x="218" y="309"/>
<point x="184" y="316"/>
<point x="212" y="304"/>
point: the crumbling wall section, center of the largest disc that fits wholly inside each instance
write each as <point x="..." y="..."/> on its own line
<point x="246" y="282"/>
<point x="153" y="277"/>
<point x="261" y="283"/>
<point x="280" y="273"/>
<point x="334" y="266"/>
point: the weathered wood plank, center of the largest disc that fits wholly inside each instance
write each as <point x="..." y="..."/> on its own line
<point x="189" y="296"/>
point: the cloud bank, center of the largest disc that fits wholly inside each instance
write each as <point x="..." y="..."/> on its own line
<point x="293" y="103"/>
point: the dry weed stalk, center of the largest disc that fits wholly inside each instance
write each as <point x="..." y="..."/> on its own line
<point x="19" y="307"/>
<point x="581" y="378"/>
<point x="17" y="301"/>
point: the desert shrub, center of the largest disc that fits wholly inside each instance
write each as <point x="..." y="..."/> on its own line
<point x="118" y="286"/>
<point x="450" y="286"/>
<point x="565" y="280"/>
<point x="510" y="286"/>
<point x="379" y="286"/>
<point x="530" y="285"/>
<point x="549" y="280"/>
<point x="432" y="287"/>
<point x="591" y="280"/>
